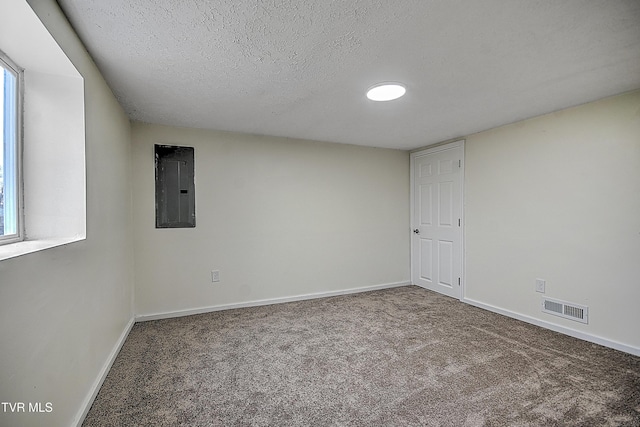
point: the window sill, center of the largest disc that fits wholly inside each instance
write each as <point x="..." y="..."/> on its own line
<point x="17" y="249"/>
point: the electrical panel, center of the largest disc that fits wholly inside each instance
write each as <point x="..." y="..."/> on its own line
<point x="175" y="187"/>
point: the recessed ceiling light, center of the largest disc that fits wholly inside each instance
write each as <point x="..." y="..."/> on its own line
<point x="386" y="91"/>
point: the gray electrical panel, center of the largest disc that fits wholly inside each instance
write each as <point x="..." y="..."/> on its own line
<point x="175" y="188"/>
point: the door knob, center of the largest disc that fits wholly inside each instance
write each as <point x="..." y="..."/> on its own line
<point x="417" y="231"/>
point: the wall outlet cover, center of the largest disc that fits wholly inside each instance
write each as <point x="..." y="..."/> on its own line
<point x="215" y="275"/>
<point x="540" y="285"/>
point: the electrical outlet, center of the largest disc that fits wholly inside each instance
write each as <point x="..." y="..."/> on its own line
<point x="215" y="275"/>
<point x="540" y="283"/>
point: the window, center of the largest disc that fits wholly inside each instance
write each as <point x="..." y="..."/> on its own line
<point x="49" y="145"/>
<point x="10" y="78"/>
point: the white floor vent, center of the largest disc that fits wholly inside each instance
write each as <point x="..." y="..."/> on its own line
<point x="568" y="310"/>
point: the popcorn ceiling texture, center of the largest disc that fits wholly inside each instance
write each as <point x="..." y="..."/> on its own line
<point x="397" y="357"/>
<point x="301" y="68"/>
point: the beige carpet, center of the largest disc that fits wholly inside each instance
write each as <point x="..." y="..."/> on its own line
<point x="397" y="357"/>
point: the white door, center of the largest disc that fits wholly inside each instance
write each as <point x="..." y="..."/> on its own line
<point x="436" y="218"/>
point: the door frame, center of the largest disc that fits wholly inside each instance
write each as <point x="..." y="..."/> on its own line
<point x="412" y="157"/>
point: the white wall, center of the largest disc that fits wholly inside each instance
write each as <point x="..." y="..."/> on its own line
<point x="558" y="197"/>
<point x="54" y="157"/>
<point x="63" y="310"/>
<point x="277" y="217"/>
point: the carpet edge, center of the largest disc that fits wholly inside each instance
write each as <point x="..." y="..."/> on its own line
<point x="626" y="348"/>
<point x="269" y="301"/>
<point x="102" y="375"/>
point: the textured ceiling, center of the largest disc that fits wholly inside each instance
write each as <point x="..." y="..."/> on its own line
<point x="300" y="68"/>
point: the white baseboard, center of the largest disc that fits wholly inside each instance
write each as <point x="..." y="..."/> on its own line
<point x="88" y="401"/>
<point x="201" y="310"/>
<point x="557" y="328"/>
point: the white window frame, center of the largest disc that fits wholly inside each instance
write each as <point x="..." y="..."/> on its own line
<point x="7" y="63"/>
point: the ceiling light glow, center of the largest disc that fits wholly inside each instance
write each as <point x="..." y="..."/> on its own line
<point x="386" y="91"/>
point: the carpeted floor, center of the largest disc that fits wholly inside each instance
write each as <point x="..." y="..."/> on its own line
<point x="396" y="357"/>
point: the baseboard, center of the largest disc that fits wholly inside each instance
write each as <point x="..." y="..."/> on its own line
<point x="255" y="303"/>
<point x="95" y="388"/>
<point x="557" y="328"/>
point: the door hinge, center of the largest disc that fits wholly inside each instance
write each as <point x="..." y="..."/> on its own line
<point x="458" y="222"/>
<point x="458" y="281"/>
<point x="459" y="163"/>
